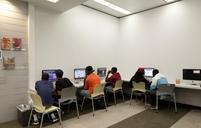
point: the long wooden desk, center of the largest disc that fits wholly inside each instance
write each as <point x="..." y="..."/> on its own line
<point x="188" y="94"/>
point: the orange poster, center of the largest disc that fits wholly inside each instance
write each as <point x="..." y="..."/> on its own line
<point x="6" y="43"/>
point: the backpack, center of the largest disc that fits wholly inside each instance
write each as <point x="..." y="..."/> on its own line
<point x="99" y="104"/>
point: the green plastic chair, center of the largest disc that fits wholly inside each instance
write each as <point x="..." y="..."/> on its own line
<point x="117" y="88"/>
<point x="97" y="94"/>
<point x="138" y="88"/>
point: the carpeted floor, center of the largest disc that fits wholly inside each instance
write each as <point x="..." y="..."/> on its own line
<point x="68" y="114"/>
<point x="165" y="118"/>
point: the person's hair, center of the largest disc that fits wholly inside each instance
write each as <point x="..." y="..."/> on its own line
<point x="45" y="76"/>
<point x="141" y="70"/>
<point x="155" y="71"/>
<point x="59" y="73"/>
<point x="89" y="69"/>
<point x="139" y="75"/>
<point x="114" y="69"/>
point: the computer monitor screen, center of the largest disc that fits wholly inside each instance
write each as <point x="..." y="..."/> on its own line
<point x="52" y="74"/>
<point x="101" y="72"/>
<point x="148" y="72"/>
<point x="79" y="73"/>
<point x="192" y="74"/>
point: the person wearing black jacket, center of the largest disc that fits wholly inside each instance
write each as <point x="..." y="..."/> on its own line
<point x="139" y="77"/>
<point x="61" y="83"/>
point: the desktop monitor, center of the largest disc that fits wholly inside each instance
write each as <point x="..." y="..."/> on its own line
<point x="101" y="72"/>
<point x="148" y="72"/>
<point x="191" y="74"/>
<point x="79" y="73"/>
<point x="52" y="74"/>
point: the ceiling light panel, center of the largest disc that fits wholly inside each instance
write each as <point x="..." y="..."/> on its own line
<point x="169" y="1"/>
<point x="53" y="1"/>
<point x="112" y="6"/>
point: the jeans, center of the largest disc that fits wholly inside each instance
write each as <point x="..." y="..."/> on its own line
<point x="85" y="93"/>
<point x="109" y="89"/>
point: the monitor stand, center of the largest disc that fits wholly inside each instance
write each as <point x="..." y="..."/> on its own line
<point x="148" y="78"/>
<point x="79" y="81"/>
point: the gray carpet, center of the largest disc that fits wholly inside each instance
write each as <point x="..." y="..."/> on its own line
<point x="165" y="118"/>
<point x="68" y="115"/>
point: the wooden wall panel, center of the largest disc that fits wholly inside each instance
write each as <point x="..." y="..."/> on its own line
<point x="13" y="83"/>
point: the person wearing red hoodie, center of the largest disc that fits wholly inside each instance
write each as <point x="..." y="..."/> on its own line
<point x="111" y="78"/>
<point x="139" y="77"/>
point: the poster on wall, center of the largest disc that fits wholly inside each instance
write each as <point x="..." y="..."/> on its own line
<point x="13" y="43"/>
<point x="17" y="43"/>
<point x="6" y="43"/>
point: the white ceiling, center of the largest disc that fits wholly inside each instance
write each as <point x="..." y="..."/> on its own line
<point x="133" y="6"/>
<point x="61" y="6"/>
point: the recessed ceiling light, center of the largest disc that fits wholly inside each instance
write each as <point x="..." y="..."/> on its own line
<point x="169" y="0"/>
<point x="53" y="1"/>
<point x="112" y="6"/>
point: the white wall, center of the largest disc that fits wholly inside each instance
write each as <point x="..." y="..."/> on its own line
<point x="167" y="38"/>
<point x="73" y="39"/>
<point x="31" y="45"/>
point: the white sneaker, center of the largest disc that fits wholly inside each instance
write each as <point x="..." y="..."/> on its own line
<point x="35" y="119"/>
<point x="35" y="122"/>
<point x="55" y="120"/>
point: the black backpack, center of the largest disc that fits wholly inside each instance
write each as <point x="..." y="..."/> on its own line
<point x="99" y="104"/>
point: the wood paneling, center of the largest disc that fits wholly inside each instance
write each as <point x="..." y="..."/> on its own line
<point x="13" y="83"/>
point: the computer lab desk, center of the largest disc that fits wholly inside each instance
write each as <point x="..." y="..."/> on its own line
<point x="188" y="94"/>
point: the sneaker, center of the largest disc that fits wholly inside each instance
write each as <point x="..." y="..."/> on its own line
<point x="35" y="122"/>
<point x="55" y="120"/>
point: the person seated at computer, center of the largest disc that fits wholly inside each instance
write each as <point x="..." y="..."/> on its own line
<point x="139" y="77"/>
<point x="60" y="84"/>
<point x="90" y="81"/>
<point x="157" y="81"/>
<point x="111" y="78"/>
<point x="44" y="89"/>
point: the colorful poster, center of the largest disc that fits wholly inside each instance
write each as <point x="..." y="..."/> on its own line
<point x="17" y="43"/>
<point x="6" y="43"/>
